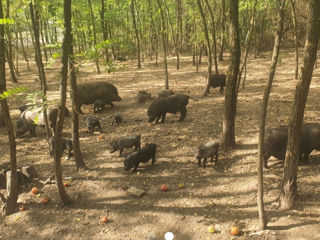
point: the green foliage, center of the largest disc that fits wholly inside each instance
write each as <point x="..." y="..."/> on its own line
<point x="110" y="67"/>
<point x="12" y="92"/>
<point x="6" y="21"/>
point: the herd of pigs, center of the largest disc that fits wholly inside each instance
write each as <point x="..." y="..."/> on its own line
<point x="102" y="93"/>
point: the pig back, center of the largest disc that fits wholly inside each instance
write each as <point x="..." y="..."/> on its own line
<point x="175" y="103"/>
<point x="89" y="92"/>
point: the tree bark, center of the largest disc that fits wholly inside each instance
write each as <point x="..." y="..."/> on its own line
<point x="136" y="33"/>
<point x="11" y="203"/>
<point x="204" y="21"/>
<point x="296" y="44"/>
<point x="289" y="180"/>
<point x="42" y="39"/>
<point x="164" y="46"/>
<point x="230" y="106"/>
<point x="24" y="53"/>
<point x="214" y="44"/>
<point x="94" y="37"/>
<point x="104" y="29"/>
<point x="34" y="14"/>
<point x="80" y="164"/>
<point x="66" y="46"/>
<point x="9" y="49"/>
<point x="223" y="29"/>
<point x="274" y="61"/>
<point x="174" y="38"/>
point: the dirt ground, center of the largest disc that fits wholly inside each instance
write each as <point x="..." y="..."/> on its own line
<point x="222" y="195"/>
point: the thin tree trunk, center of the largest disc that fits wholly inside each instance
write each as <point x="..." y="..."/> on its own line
<point x="80" y="164"/>
<point x="206" y="34"/>
<point x="24" y="53"/>
<point x="17" y="54"/>
<point x="289" y="180"/>
<point x="247" y="44"/>
<point x="11" y="202"/>
<point x="104" y="30"/>
<point x="136" y="33"/>
<point x="174" y="38"/>
<point x="214" y="45"/>
<point x="66" y="46"/>
<point x="164" y="46"/>
<point x="94" y="37"/>
<point x="296" y="44"/>
<point x="42" y="39"/>
<point x="223" y="30"/>
<point x="230" y="106"/>
<point x="274" y="61"/>
<point x="34" y="14"/>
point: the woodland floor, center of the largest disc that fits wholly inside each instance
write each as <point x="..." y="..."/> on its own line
<point x="231" y="185"/>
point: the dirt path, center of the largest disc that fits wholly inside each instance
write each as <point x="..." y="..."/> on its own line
<point x="222" y="195"/>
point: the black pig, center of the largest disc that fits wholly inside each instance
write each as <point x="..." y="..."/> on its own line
<point x="66" y="144"/>
<point x="209" y="149"/>
<point x="92" y="123"/>
<point x="275" y="142"/>
<point x="143" y="155"/>
<point x="89" y="92"/>
<point x="172" y="104"/>
<point x="218" y="81"/>
<point x="117" y="118"/>
<point x="125" y="142"/>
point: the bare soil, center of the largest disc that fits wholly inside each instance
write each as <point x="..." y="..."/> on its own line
<point x="222" y="195"/>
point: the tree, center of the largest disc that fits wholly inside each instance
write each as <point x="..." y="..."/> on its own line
<point x="75" y="115"/>
<point x="164" y="45"/>
<point x="94" y="37"/>
<point x="295" y="33"/>
<point x="223" y="29"/>
<point x="274" y="61"/>
<point x="136" y="32"/>
<point x="11" y="201"/>
<point x="230" y="106"/>
<point x="204" y="21"/>
<point x="289" y="180"/>
<point x="66" y="46"/>
<point x="34" y="14"/>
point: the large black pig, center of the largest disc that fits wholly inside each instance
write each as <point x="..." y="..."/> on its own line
<point x="218" y="80"/>
<point x="172" y="104"/>
<point x="30" y="118"/>
<point x="89" y="92"/>
<point x="142" y="155"/>
<point x="275" y="142"/>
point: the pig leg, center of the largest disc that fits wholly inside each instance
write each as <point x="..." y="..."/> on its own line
<point x="305" y="158"/>
<point x="199" y="162"/>
<point x="99" y="127"/>
<point x="32" y="130"/>
<point x="121" y="150"/>
<point x="265" y="160"/>
<point x="111" y="104"/>
<point x="137" y="145"/>
<point x="79" y="107"/>
<point x="135" y="167"/>
<point x="221" y="89"/>
<point x="205" y="162"/>
<point x="216" y="158"/>
<point x="163" y="117"/>
<point x="183" y="113"/>
<point x="157" y="120"/>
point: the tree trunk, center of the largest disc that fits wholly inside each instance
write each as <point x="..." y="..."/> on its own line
<point x="204" y="21"/>
<point x="174" y="38"/>
<point x="24" y="53"/>
<point x="66" y="46"/>
<point x="11" y="203"/>
<point x="94" y="37"/>
<point x="80" y="164"/>
<point x="42" y="39"/>
<point x="34" y="14"/>
<point x="230" y="106"/>
<point x="104" y="29"/>
<point x="247" y="44"/>
<point x="223" y="29"/>
<point x="295" y="27"/>
<point x="136" y="33"/>
<point x="289" y="180"/>
<point x="214" y="45"/>
<point x="164" y="46"/>
<point x="274" y="61"/>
